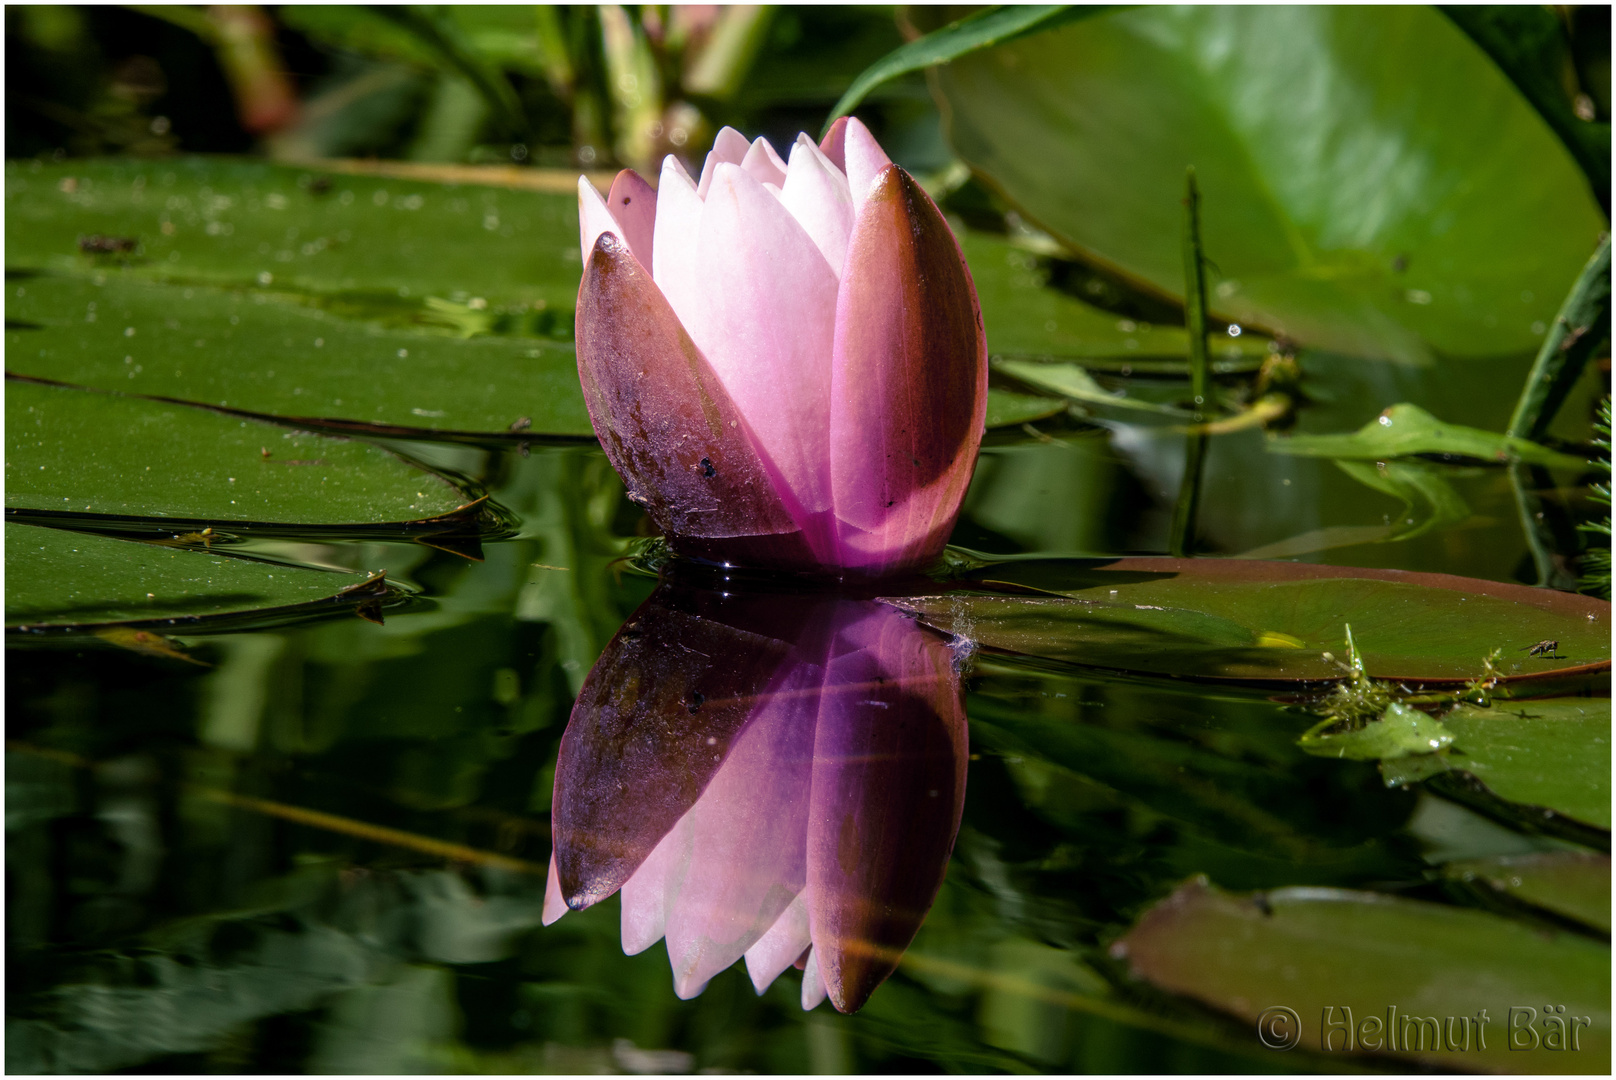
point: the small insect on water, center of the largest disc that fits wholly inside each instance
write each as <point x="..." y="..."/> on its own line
<point x="1544" y="648"/>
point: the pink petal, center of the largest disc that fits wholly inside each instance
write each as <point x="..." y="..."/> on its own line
<point x="908" y="383"/>
<point x="593" y="218"/>
<point x="646" y="893"/>
<point x="763" y="163"/>
<point x="667" y="424"/>
<point x="730" y="146"/>
<point x="633" y="203"/>
<point x="864" y="161"/>
<point x="780" y="947"/>
<point x="678" y="231"/>
<point x="890" y="754"/>
<point x="767" y="330"/>
<point x="817" y="195"/>
<point x="813" y="987"/>
<point x="555" y="905"/>
<point x="749" y="831"/>
<point x="834" y="144"/>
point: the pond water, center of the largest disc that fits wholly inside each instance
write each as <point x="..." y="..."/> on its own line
<point x="323" y="846"/>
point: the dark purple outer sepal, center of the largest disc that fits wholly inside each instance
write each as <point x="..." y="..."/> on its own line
<point x="668" y="426"/>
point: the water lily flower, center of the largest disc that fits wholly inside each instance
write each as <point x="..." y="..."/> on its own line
<point x="767" y="777"/>
<point x="784" y="359"/>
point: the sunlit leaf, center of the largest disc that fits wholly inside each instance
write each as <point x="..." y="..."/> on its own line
<point x="1394" y="963"/>
<point x="1402" y="731"/>
<point x="378" y="240"/>
<point x="1570" y="883"/>
<point x="91" y="453"/>
<point x="268" y="354"/>
<point x="1408" y="431"/>
<point x="57" y="580"/>
<point x="1253" y="620"/>
<point x="1372" y="182"/>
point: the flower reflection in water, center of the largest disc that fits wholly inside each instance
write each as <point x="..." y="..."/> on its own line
<point x="778" y="777"/>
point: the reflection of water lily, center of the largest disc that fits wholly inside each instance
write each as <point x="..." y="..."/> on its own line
<point x="763" y="777"/>
<point x="784" y="360"/>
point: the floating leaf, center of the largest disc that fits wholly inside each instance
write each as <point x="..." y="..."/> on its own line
<point x="237" y="222"/>
<point x="1571" y="883"/>
<point x="1408" y="431"/>
<point x="1401" y="732"/>
<point x="1552" y="753"/>
<point x="259" y="353"/>
<point x="1253" y="620"/>
<point x="83" y="452"/>
<point x="59" y="580"/>
<point x="1373" y="184"/>
<point x="1417" y="976"/>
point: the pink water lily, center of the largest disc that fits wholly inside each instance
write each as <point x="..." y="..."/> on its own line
<point x="771" y="777"/>
<point x="784" y="360"/>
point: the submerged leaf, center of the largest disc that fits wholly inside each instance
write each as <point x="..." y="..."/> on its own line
<point x="1422" y="488"/>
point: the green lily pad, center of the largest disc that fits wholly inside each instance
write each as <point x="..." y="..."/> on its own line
<point x="1418" y="977"/>
<point x="259" y="353"/>
<point x="67" y="581"/>
<point x="1553" y="754"/>
<point x="231" y="222"/>
<point x="1401" y="732"/>
<point x="1371" y="182"/>
<point x="1263" y="621"/>
<point x="1408" y="430"/>
<point x="82" y="452"/>
<point x="1571" y="883"/>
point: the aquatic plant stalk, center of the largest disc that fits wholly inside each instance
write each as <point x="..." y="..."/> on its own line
<point x="1580" y="327"/>
<point x="1182" y="537"/>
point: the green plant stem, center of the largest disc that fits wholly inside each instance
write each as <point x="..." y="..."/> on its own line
<point x="1182" y="538"/>
<point x="1580" y="327"/>
<point x="1525" y="481"/>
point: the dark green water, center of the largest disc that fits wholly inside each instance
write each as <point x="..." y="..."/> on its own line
<point x="325" y="850"/>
